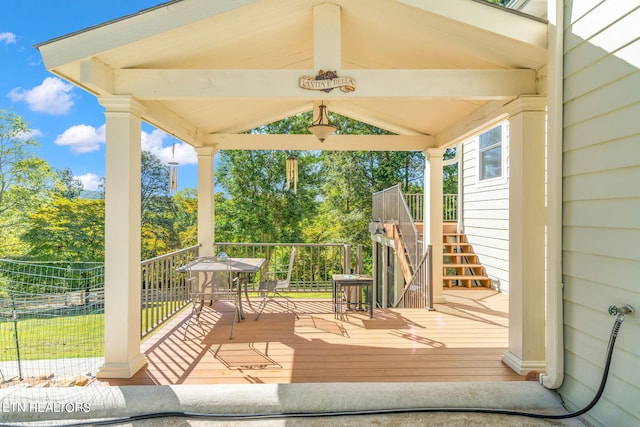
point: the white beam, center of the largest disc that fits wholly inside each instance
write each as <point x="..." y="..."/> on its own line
<point x="467" y="126"/>
<point x="97" y="77"/>
<point x="310" y="142"/>
<point x="162" y="84"/>
<point x="326" y="37"/>
<point x="485" y="117"/>
<point x="158" y="115"/>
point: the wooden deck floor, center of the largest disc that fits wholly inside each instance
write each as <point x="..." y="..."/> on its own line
<point x="462" y="340"/>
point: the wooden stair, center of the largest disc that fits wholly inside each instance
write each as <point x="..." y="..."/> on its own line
<point x="460" y="266"/>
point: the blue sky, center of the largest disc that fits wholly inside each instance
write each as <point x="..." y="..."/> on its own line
<point x="67" y="121"/>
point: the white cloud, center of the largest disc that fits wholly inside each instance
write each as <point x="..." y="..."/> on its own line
<point x="53" y="96"/>
<point x="183" y="153"/>
<point x="82" y="138"/>
<point x="7" y="38"/>
<point x="85" y="139"/>
<point x="90" y="181"/>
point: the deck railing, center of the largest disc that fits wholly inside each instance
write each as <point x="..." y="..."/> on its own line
<point x="164" y="289"/>
<point x="314" y="264"/>
<point x="415" y="202"/>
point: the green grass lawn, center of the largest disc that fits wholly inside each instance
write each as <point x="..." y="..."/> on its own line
<point x="53" y="338"/>
<point x="73" y="336"/>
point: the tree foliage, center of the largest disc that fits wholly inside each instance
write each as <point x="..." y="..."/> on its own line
<point x="333" y="203"/>
<point x="157" y="208"/>
<point x="256" y="206"/>
<point x="67" y="186"/>
<point x="186" y="216"/>
<point x="252" y="202"/>
<point x="450" y="174"/>
<point x="64" y="226"/>
<point x="25" y="180"/>
<point x="67" y="229"/>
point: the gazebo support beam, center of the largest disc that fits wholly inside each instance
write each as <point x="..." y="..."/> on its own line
<point x="165" y="84"/>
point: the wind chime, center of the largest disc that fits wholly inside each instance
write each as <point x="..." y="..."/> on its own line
<point x="292" y="173"/>
<point x="173" y="170"/>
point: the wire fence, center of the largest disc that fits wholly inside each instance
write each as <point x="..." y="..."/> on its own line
<point x="51" y="322"/>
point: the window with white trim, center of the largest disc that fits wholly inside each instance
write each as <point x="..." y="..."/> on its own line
<point x="490" y="156"/>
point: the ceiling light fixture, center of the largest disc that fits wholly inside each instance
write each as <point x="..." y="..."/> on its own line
<point x="319" y="127"/>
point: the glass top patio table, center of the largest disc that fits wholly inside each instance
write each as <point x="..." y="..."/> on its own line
<point x="236" y="265"/>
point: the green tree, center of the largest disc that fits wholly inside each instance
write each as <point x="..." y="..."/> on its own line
<point x="154" y="180"/>
<point x="70" y="228"/>
<point x="450" y="174"/>
<point x="351" y="178"/>
<point x="333" y="203"/>
<point x="186" y="216"/>
<point x="67" y="186"/>
<point x="255" y="204"/>
<point x="67" y="229"/>
<point x="158" y="211"/>
<point x="26" y="181"/>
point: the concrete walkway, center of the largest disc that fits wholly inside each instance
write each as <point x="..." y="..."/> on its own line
<point x="82" y="404"/>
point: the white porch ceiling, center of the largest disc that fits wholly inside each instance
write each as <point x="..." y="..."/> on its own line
<point x="207" y="70"/>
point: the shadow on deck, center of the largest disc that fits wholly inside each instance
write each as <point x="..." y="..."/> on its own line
<point x="462" y="340"/>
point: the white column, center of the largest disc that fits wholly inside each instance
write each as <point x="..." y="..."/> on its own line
<point x="122" y="278"/>
<point x="527" y="236"/>
<point x="433" y="215"/>
<point x="206" y="210"/>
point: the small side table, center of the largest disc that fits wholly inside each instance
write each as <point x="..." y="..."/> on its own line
<point x="343" y="280"/>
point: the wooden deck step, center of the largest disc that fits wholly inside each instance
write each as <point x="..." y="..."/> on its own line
<point x="463" y="270"/>
<point x="456" y="257"/>
<point x="458" y="248"/>
<point x="461" y="265"/>
<point x="481" y="282"/>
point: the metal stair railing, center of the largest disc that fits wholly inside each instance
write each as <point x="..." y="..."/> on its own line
<point x="418" y="293"/>
<point x="390" y="205"/>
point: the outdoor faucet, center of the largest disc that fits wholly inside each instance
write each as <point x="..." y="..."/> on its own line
<point x="625" y="309"/>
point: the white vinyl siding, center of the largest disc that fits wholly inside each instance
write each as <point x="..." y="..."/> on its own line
<point x="486" y="213"/>
<point x="601" y="205"/>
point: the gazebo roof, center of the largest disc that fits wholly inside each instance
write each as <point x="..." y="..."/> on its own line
<point x="207" y="70"/>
